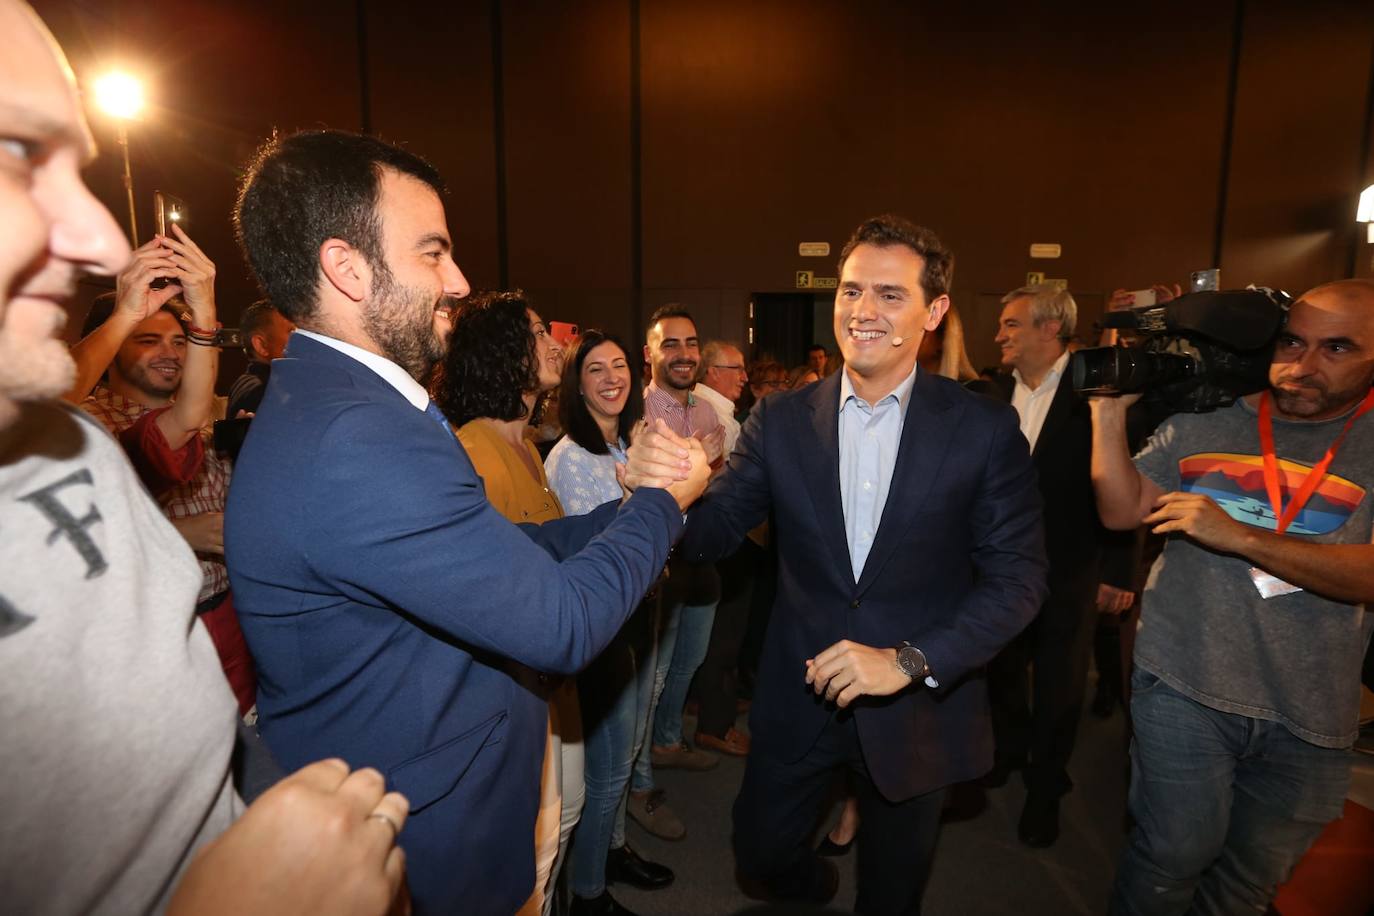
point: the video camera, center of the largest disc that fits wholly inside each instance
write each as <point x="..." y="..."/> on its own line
<point x="1195" y="353"/>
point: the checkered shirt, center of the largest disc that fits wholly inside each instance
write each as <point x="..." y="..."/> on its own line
<point x="206" y="492"/>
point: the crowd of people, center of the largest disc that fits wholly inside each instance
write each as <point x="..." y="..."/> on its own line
<point x="349" y="641"/>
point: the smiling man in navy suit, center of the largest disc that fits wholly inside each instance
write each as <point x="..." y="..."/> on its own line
<point x="910" y="551"/>
<point x="383" y="597"/>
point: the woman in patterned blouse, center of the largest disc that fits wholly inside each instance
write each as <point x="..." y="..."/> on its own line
<point x="599" y="402"/>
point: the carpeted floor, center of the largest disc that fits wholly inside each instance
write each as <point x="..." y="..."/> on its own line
<point x="980" y="867"/>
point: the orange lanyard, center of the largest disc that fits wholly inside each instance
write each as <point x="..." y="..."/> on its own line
<point x="1284" y="517"/>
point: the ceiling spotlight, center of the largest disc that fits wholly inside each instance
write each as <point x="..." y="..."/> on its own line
<point x="119" y="95"/>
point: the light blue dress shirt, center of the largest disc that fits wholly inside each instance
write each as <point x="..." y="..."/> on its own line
<point x="870" y="435"/>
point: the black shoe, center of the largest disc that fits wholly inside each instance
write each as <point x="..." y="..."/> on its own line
<point x="963" y="802"/>
<point x="605" y="905"/>
<point x="624" y="866"/>
<point x="1039" y="825"/>
<point x="825" y="883"/>
<point x="997" y="777"/>
<point x="831" y="849"/>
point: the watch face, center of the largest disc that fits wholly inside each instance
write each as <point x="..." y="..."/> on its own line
<point x="912" y="661"/>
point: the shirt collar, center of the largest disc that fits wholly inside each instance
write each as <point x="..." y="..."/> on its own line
<point x="659" y="394"/>
<point x="902" y="392"/>
<point x="711" y="396"/>
<point x="1051" y="379"/>
<point x="391" y="373"/>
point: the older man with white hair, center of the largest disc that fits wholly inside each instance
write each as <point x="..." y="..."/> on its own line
<point x="1035" y="725"/>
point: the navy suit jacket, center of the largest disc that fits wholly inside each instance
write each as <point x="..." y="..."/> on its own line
<point x="382" y="597"/>
<point x="957" y="569"/>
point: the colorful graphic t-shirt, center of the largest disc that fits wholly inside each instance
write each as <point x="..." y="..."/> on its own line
<point x="1205" y="629"/>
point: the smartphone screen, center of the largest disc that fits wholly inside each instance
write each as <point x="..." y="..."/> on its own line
<point x="168" y="211"/>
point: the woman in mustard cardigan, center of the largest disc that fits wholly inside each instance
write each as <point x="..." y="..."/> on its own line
<point x="501" y="361"/>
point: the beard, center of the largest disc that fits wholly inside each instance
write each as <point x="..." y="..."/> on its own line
<point x="400" y="319"/>
<point x="34" y="373"/>
<point x="670" y="381"/>
<point x="147" y="380"/>
<point x="1316" y="401"/>
<point x="37" y="367"/>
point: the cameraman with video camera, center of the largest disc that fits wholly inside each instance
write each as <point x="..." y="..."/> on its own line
<point x="1247" y="665"/>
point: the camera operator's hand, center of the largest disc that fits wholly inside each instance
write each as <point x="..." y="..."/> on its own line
<point x="195" y="274"/>
<point x="1200" y="518"/>
<point x="1111" y="404"/>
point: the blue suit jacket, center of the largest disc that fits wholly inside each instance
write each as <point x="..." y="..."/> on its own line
<point x="382" y="597"/>
<point x="957" y="569"/>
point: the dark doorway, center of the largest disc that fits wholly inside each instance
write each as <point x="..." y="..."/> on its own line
<point x="786" y="324"/>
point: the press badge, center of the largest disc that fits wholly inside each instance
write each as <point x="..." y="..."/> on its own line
<point x="1270" y="586"/>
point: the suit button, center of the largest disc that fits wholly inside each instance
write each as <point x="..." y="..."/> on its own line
<point x="854" y="603"/>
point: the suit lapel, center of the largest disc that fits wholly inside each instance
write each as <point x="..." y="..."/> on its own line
<point x="821" y="468"/>
<point x="930" y="426"/>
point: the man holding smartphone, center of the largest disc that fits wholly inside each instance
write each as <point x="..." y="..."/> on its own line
<point x="156" y="397"/>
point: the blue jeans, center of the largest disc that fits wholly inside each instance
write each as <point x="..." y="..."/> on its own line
<point x="652" y="676"/>
<point x="689" y="651"/>
<point x="611" y="716"/>
<point x="1225" y="805"/>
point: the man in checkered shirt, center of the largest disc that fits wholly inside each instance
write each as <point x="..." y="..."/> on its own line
<point x="156" y="397"/>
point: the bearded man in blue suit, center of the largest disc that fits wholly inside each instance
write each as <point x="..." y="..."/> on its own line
<point x="384" y="600"/>
<point x="910" y="551"/>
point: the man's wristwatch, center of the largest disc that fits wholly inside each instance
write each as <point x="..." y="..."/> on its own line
<point x="911" y="661"/>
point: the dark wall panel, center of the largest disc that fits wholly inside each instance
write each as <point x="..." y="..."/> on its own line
<point x="785" y="122"/>
<point x="430" y="83"/>
<point x="1296" y="167"/>
<point x="567" y="78"/>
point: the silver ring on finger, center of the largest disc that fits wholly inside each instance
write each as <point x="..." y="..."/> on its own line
<point x="390" y="822"/>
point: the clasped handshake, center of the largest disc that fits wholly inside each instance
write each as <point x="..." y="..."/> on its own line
<point x="658" y="457"/>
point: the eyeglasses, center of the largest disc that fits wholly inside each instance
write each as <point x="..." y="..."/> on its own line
<point x="727" y="366"/>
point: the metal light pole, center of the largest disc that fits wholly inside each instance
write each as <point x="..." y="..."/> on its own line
<point x="121" y="97"/>
<point x="128" y="183"/>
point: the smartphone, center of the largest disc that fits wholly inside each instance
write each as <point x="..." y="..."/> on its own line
<point x="1145" y="297"/>
<point x="1203" y="280"/>
<point x="168" y="211"/>
<point x="563" y="332"/>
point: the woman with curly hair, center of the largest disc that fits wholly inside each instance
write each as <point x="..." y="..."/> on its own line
<point x="500" y="362"/>
<point x="599" y="402"/>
